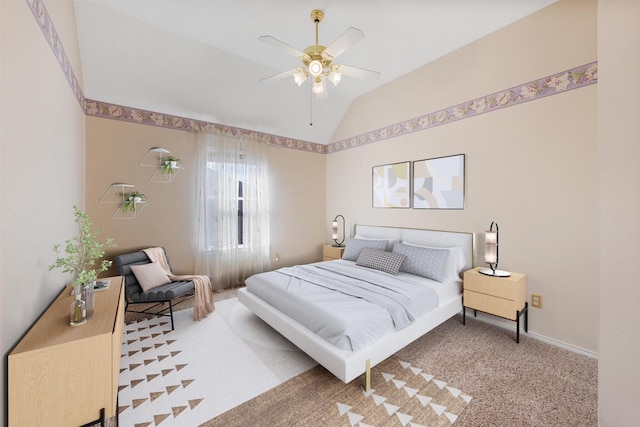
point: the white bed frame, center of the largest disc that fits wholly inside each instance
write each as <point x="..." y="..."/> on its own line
<point x="347" y="365"/>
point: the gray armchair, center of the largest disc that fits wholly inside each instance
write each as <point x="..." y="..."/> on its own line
<point x="161" y="295"/>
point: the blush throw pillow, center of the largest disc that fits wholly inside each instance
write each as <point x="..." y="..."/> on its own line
<point x="150" y="275"/>
<point x="380" y="260"/>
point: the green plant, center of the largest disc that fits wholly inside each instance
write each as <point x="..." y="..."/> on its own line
<point x="131" y="199"/>
<point x="82" y="252"/>
<point x="169" y="163"/>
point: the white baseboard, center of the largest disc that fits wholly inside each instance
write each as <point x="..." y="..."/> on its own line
<point x="507" y="324"/>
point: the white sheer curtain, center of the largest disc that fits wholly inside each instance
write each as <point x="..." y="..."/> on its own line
<point x="233" y="209"/>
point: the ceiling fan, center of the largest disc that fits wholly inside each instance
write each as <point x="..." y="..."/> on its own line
<point x="318" y="60"/>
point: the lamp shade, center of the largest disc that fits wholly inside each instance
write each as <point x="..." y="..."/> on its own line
<point x="491" y="253"/>
<point x="299" y="77"/>
<point x="334" y="77"/>
<point x="334" y="231"/>
<point x="318" y="85"/>
<point x="491" y="237"/>
<point x="491" y="247"/>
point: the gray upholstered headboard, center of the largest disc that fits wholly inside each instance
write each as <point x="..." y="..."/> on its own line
<point x="434" y="238"/>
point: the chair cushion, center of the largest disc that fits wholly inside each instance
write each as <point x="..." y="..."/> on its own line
<point x="150" y="275"/>
<point x="165" y="292"/>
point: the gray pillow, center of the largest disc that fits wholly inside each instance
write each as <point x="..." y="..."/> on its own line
<point x="355" y="246"/>
<point x="425" y="262"/>
<point x="380" y="260"/>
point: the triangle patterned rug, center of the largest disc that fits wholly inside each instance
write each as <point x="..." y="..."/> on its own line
<point x="400" y="395"/>
<point x="231" y="369"/>
<point x="201" y="369"/>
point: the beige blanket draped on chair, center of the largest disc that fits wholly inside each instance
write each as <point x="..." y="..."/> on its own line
<point x="203" y="298"/>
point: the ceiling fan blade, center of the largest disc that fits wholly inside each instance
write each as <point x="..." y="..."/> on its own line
<point x="359" y="73"/>
<point x="272" y="41"/>
<point x="344" y="42"/>
<point x="280" y="76"/>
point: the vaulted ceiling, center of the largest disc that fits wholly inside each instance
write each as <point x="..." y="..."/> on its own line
<point x="202" y="59"/>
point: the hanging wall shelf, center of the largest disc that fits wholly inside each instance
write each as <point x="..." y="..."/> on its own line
<point x="129" y="200"/>
<point x="167" y="166"/>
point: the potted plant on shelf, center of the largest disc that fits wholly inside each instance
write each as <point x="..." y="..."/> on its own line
<point x="169" y="164"/>
<point x="81" y="255"/>
<point x="131" y="199"/>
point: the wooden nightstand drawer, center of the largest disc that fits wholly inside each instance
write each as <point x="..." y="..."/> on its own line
<point x="332" y="252"/>
<point x="512" y="288"/>
<point x="491" y="304"/>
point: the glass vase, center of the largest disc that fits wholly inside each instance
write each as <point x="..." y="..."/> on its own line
<point x="78" y="310"/>
<point x="87" y="296"/>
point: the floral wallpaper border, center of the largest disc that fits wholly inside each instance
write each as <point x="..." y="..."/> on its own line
<point x="574" y="78"/>
<point x="136" y="115"/>
<point x="564" y="81"/>
<point x="51" y="35"/>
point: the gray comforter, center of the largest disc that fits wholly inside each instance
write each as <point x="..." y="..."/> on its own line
<point x="348" y="305"/>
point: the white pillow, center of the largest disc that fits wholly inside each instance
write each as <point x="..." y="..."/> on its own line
<point x="150" y="275"/>
<point x="455" y="262"/>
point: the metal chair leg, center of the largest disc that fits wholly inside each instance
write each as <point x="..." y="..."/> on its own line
<point x="171" y="311"/>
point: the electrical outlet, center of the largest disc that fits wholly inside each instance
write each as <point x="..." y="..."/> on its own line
<point x="536" y="301"/>
<point x="277" y="257"/>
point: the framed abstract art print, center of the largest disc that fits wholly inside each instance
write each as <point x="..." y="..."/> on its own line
<point x="391" y="185"/>
<point x="439" y="183"/>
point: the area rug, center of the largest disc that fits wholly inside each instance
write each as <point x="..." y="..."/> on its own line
<point x="201" y="369"/>
<point x="400" y="395"/>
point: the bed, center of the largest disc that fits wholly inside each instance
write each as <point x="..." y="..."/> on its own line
<point x="311" y="305"/>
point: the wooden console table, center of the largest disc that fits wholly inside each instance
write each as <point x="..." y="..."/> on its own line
<point x="61" y="375"/>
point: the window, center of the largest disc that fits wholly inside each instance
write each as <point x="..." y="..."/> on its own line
<point x="233" y="220"/>
<point x="223" y="173"/>
<point x="240" y="206"/>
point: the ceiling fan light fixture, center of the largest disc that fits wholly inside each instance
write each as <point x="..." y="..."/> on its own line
<point x="315" y="68"/>
<point x="300" y="76"/>
<point x="334" y="75"/>
<point x="317" y="60"/>
<point x="318" y="86"/>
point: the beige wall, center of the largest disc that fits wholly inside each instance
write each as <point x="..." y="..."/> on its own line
<point x="516" y="54"/>
<point x="42" y="166"/>
<point x="114" y="151"/>
<point x="619" y="201"/>
<point x="35" y="207"/>
<point x="530" y="167"/>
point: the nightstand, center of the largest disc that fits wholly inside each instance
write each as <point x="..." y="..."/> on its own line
<point x="505" y="297"/>
<point x="330" y="253"/>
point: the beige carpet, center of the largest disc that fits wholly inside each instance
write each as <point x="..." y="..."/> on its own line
<point x="526" y="384"/>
